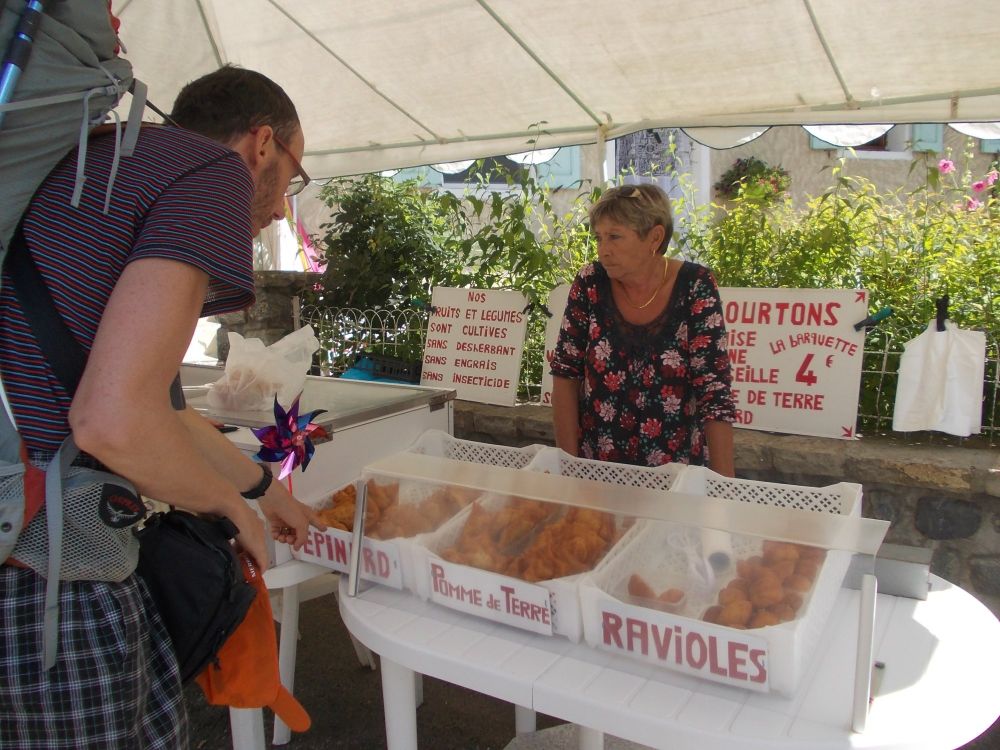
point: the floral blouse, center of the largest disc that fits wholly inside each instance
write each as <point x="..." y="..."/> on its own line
<point x="647" y="389"/>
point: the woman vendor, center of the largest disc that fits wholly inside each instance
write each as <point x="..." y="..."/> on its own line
<point x="640" y="371"/>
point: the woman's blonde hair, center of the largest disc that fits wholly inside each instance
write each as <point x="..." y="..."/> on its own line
<point x="639" y="207"/>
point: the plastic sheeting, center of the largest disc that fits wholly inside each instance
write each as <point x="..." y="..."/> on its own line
<point x="395" y="83"/>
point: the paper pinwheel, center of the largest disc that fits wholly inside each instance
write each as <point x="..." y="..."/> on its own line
<point x="289" y="440"/>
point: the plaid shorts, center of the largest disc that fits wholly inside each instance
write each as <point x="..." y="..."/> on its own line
<point x="115" y="683"/>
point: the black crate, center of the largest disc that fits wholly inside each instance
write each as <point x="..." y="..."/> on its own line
<point x="392" y="368"/>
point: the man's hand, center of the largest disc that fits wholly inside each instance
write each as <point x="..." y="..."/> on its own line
<point x="251" y="536"/>
<point x="288" y="518"/>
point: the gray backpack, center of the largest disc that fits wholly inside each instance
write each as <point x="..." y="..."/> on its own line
<point x="70" y="82"/>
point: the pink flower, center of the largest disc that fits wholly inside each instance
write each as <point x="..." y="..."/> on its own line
<point x="971" y="204"/>
<point x="946" y="166"/>
<point x="992" y="177"/>
<point x="978" y="186"/>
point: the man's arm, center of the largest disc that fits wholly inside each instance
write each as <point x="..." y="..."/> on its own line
<point x="566" y="414"/>
<point x="281" y="509"/>
<point x="121" y="413"/>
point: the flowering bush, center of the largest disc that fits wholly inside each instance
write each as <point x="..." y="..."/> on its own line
<point x="755" y="179"/>
<point x="907" y="248"/>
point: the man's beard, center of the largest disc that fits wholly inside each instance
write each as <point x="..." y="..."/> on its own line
<point x="263" y="197"/>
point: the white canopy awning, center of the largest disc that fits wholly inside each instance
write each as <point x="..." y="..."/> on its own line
<point x="381" y="84"/>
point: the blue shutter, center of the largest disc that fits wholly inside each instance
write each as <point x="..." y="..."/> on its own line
<point x="562" y="170"/>
<point x="819" y="145"/>
<point x="990" y="146"/>
<point x="928" y="137"/>
<point x="425" y="176"/>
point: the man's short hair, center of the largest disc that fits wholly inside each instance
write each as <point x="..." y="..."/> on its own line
<point x="231" y="101"/>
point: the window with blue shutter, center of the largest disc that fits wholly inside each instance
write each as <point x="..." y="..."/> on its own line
<point x="562" y="170"/>
<point x="928" y="137"/>
<point x="990" y="146"/>
<point x="425" y="176"/>
<point x="819" y="145"/>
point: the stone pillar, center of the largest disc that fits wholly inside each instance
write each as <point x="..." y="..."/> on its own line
<point x="271" y="316"/>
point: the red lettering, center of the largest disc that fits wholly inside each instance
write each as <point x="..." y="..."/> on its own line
<point x="611" y="627"/>
<point x="339" y="550"/>
<point x="637" y="635"/>
<point x="758" y="658"/>
<point x="713" y="658"/>
<point x="696" y="660"/>
<point x="661" y="642"/>
<point x="737" y="660"/>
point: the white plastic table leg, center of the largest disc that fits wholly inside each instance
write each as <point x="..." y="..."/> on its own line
<point x="400" y="702"/>
<point x="287" y="646"/>
<point x="247" y="728"/>
<point x="591" y="739"/>
<point x="524" y="720"/>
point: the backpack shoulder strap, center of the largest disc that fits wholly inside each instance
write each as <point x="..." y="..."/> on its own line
<point x="64" y="353"/>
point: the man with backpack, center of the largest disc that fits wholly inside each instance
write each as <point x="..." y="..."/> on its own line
<point x="156" y="240"/>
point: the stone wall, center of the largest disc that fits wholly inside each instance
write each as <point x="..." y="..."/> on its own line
<point x="941" y="497"/>
<point x="272" y="316"/>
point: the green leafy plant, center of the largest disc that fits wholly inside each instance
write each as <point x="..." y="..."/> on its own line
<point x="754" y="179"/>
<point x="386" y="245"/>
<point x="906" y="248"/>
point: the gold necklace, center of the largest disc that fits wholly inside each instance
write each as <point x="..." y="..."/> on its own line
<point x="647" y="303"/>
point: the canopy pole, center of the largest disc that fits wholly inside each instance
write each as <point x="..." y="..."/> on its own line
<point x="601" y="176"/>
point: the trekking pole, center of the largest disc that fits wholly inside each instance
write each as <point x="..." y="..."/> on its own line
<point x="18" y="50"/>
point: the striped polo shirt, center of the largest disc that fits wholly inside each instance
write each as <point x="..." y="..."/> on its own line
<point x="179" y="196"/>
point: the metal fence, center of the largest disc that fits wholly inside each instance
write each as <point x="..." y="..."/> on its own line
<point x="346" y="333"/>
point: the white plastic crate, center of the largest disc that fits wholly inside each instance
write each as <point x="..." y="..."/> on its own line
<point x="386" y="561"/>
<point x="843" y="498"/>
<point x="563" y="596"/>
<point x="556" y="461"/>
<point x="443" y="445"/>
<point x="664" y="559"/>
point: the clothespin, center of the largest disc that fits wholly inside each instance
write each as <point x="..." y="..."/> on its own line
<point x="871" y="320"/>
<point x="942" y="311"/>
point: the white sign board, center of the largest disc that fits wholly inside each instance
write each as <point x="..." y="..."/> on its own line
<point x="475" y="338"/>
<point x="557" y="306"/>
<point x="796" y="358"/>
<point x="332" y="549"/>
<point x="478" y="592"/>
<point x="724" y="655"/>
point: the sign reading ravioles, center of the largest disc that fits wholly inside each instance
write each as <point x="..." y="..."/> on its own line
<point x="796" y="358"/>
<point x="475" y="338"/>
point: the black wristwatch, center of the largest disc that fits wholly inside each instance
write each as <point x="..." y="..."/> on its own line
<point x="260" y="488"/>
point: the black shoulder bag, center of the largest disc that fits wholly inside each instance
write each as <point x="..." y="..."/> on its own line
<point x="187" y="562"/>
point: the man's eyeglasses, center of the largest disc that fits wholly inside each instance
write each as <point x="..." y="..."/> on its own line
<point x="295" y="186"/>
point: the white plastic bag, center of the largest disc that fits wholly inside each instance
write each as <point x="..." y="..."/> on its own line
<point x="941" y="382"/>
<point x="255" y="373"/>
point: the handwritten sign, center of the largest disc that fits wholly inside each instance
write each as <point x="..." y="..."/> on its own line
<point x="685" y="645"/>
<point x="796" y="358"/>
<point x="475" y="338"/>
<point x="494" y="597"/>
<point x="332" y="549"/>
<point x="557" y="306"/>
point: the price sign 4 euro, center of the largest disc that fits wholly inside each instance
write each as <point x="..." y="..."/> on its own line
<point x="796" y="358"/>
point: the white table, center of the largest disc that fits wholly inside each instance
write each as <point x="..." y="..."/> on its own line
<point x="940" y="689"/>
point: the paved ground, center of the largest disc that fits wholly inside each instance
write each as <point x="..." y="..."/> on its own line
<point x="345" y="702"/>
